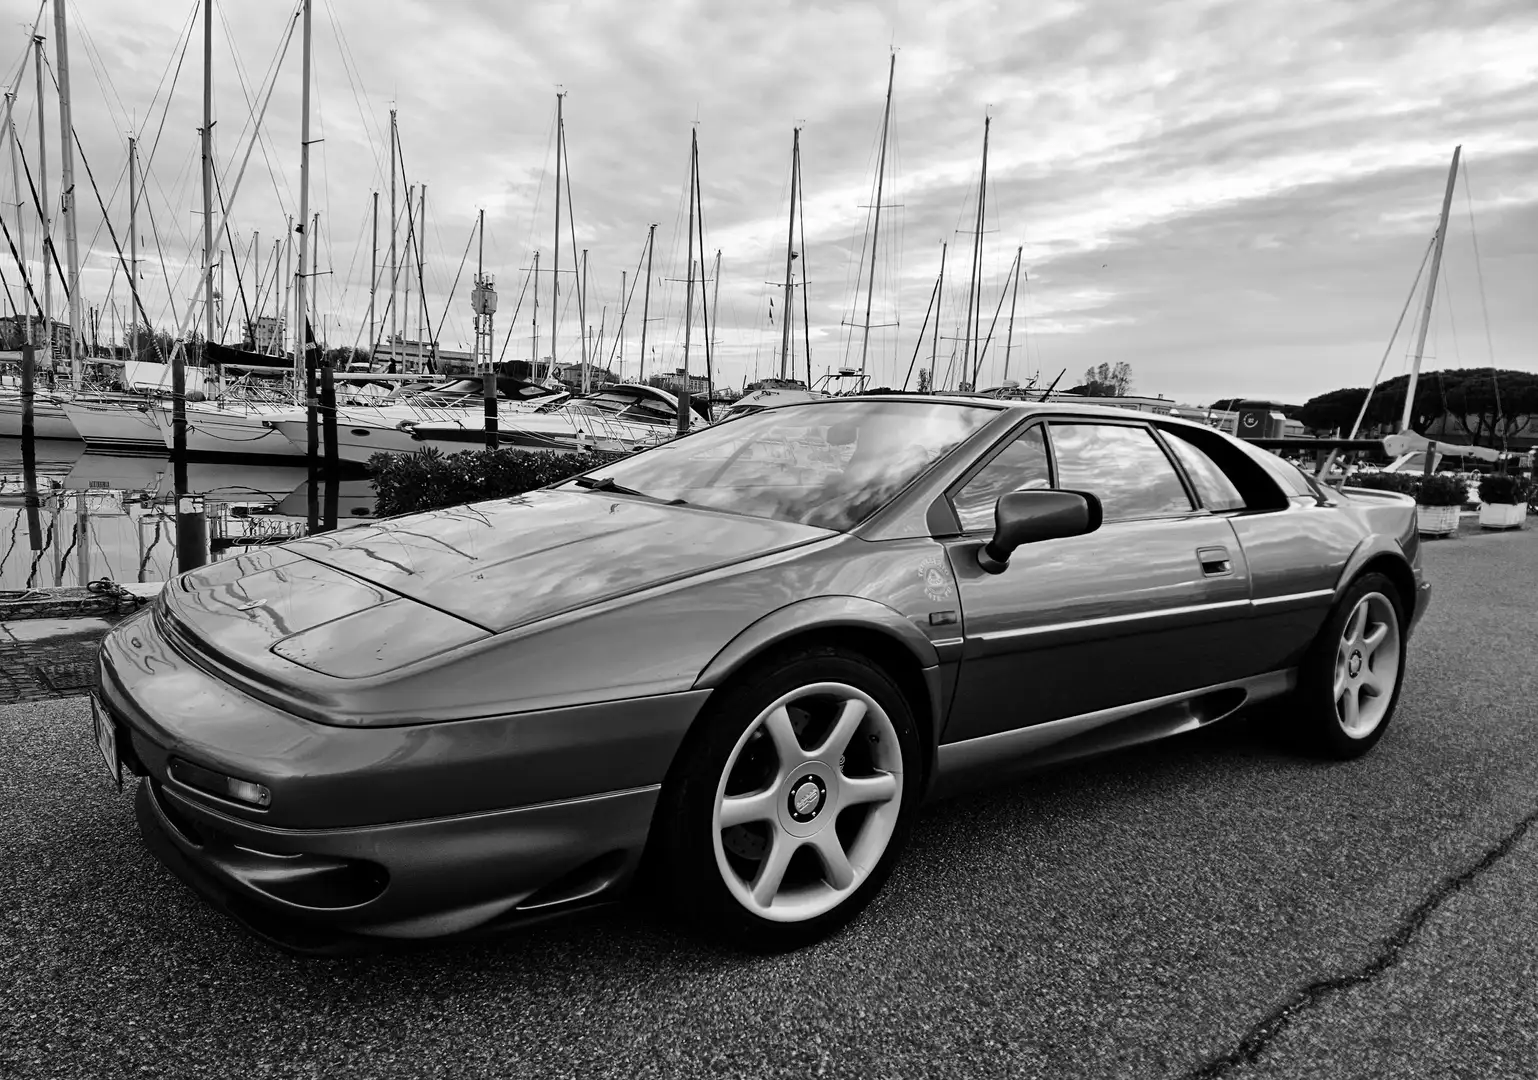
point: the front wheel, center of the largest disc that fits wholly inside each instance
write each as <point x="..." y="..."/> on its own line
<point x="1352" y="677"/>
<point x="790" y="800"/>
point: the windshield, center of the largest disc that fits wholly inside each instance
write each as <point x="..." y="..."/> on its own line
<point x="825" y="464"/>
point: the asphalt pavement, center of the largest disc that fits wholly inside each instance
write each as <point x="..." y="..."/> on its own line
<point x="1213" y="906"/>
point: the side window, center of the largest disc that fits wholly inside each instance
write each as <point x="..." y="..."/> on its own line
<point x="1020" y="466"/>
<point x="1123" y="466"/>
<point x="1216" y="491"/>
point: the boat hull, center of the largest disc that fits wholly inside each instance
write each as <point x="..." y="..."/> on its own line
<point x="116" y="427"/>
<point x="48" y="419"/>
<point x="227" y="431"/>
<point x="356" y="440"/>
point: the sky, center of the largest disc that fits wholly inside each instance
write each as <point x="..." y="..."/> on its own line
<point x="1232" y="197"/>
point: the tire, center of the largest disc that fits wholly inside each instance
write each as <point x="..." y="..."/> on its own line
<point x="766" y="845"/>
<point x="1350" y="682"/>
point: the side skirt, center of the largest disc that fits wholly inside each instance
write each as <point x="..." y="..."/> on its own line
<point x="974" y="762"/>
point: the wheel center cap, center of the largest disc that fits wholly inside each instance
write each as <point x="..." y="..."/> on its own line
<point x="1354" y="665"/>
<point x="807" y="796"/>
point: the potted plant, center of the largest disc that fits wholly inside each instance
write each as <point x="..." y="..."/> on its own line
<point x="1438" y="499"/>
<point x="1502" y="501"/>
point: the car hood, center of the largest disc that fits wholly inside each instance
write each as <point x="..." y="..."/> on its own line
<point x="477" y="570"/>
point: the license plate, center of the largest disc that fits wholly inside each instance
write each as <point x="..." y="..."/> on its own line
<point x="106" y="741"/>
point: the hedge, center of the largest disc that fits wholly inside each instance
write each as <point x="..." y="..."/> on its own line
<point x="1440" y="489"/>
<point x="1503" y="488"/>
<point x="429" y="480"/>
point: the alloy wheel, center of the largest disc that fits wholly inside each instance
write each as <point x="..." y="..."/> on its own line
<point x="808" y="802"/>
<point x="1367" y="666"/>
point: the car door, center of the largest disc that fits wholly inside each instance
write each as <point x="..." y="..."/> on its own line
<point x="1294" y="536"/>
<point x="1141" y="608"/>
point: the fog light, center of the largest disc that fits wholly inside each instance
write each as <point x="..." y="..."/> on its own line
<point x="217" y="784"/>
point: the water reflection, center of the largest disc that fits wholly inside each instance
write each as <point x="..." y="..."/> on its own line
<point x="103" y="515"/>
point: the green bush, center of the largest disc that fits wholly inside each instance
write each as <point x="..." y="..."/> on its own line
<point x="1404" y="483"/>
<point x="1441" y="489"/>
<point x="428" y="479"/>
<point x="1503" y="488"/>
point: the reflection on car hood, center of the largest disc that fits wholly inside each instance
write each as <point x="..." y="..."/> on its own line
<point x="510" y="562"/>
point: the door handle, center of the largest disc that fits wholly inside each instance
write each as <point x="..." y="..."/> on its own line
<point x="1215" y="561"/>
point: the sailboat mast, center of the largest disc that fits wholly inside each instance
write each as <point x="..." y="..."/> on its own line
<point x="934" y="348"/>
<point x="207" y="138"/>
<point x="790" y="243"/>
<point x="133" y="245"/>
<point x="301" y="314"/>
<point x="1431" y="291"/>
<point x="21" y="239"/>
<point x="974" y="291"/>
<point x="1009" y="338"/>
<point x="373" y="281"/>
<point x="411" y="244"/>
<point x="555" y="272"/>
<point x="67" y="195"/>
<point x="875" y="237"/>
<point x="394" y="228"/>
<point x="42" y="196"/>
<point x="421" y="255"/>
<point x="683" y="390"/>
<point x="646" y="297"/>
<point x="715" y="304"/>
<point x="624" y="281"/>
<point x="534" y="360"/>
<point x="582" y="317"/>
<point x="288" y="303"/>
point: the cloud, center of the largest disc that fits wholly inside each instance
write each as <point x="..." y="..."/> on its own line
<point x="1232" y="197"/>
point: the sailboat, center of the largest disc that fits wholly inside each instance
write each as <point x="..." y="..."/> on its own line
<point x="1407" y="441"/>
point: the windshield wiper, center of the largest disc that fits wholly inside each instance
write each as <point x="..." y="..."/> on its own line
<point x="606" y="483"/>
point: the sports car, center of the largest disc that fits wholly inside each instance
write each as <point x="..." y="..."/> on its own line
<point x="731" y="668"/>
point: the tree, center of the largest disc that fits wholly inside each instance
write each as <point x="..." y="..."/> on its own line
<point x="1335" y="411"/>
<point x="1107" y="380"/>
<point x="923" y="380"/>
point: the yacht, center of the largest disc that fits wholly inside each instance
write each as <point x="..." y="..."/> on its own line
<point x="619" y="418"/>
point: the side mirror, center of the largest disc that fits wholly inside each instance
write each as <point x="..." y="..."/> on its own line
<point x="1028" y="517"/>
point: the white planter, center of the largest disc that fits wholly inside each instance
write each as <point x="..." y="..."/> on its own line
<point x="1436" y="520"/>
<point x="1502" y="515"/>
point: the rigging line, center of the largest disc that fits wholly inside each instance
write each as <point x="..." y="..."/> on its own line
<point x="634" y="280"/>
<point x="462" y="260"/>
<point x="514" y="320"/>
<point x="344" y="51"/>
<point x="269" y="76"/>
<point x="1484" y="307"/>
<point x="21" y="266"/>
<point x="167" y="69"/>
<point x="21" y="66"/>
<point x="47" y="238"/>
<point x="149" y="159"/>
<point x="806" y="320"/>
<point x="110" y="231"/>
<point x="240" y="283"/>
<point x="99" y="66"/>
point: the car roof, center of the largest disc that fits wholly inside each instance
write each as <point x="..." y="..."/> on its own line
<point x="1015" y="405"/>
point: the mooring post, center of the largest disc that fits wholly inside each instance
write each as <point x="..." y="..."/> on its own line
<point x="29" y="448"/>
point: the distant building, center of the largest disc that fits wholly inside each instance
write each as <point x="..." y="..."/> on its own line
<point x="698" y="384"/>
<point x="404" y="356"/>
<point x="265" y="332"/>
<point x="571" y="375"/>
<point x="13" y="331"/>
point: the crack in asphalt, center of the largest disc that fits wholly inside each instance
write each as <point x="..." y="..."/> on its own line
<point x="1265" y="1031"/>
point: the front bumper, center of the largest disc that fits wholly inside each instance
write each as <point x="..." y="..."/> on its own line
<point x="402" y="832"/>
<point x="330" y="891"/>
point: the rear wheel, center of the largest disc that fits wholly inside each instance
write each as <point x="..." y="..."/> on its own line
<point x="1351" y="680"/>
<point x="790" y="800"/>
